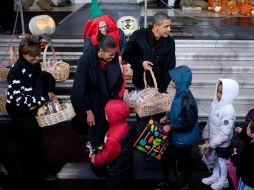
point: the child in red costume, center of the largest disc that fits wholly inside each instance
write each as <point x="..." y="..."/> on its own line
<point x="116" y="151"/>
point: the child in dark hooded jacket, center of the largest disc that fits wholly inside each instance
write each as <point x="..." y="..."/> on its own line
<point x="116" y="151"/>
<point x="183" y="128"/>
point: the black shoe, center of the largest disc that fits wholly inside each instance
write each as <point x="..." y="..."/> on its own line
<point x="167" y="185"/>
<point x="162" y="186"/>
<point x="50" y="178"/>
<point x="185" y="187"/>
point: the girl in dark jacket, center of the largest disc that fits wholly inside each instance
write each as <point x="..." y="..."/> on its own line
<point x="244" y="161"/>
<point x="184" y="130"/>
<point x="116" y="152"/>
<point x="28" y="89"/>
<point x="242" y="131"/>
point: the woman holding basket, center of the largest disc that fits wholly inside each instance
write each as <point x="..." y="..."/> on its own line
<point x="28" y="89"/>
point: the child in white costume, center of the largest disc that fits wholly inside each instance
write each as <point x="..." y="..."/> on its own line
<point x="219" y="129"/>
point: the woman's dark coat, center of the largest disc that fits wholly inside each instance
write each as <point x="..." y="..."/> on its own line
<point x="92" y="89"/>
<point x="27" y="90"/>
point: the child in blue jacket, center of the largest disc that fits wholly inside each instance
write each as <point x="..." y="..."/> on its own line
<point x="183" y="128"/>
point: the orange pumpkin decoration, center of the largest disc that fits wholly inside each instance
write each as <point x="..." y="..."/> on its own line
<point x="245" y="9"/>
<point x="211" y="2"/>
<point x="224" y="3"/>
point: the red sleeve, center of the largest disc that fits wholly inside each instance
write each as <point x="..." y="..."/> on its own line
<point x="121" y="92"/>
<point x="112" y="148"/>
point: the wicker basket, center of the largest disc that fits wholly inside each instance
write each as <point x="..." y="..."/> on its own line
<point x="156" y="103"/>
<point x="59" y="69"/>
<point x="5" y="65"/>
<point x="3" y="103"/>
<point x="66" y="114"/>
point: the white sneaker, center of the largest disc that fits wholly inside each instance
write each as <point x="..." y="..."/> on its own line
<point x="220" y="184"/>
<point x="210" y="180"/>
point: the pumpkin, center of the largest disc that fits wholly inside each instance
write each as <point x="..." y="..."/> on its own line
<point x="217" y="9"/>
<point x="210" y="8"/>
<point x="231" y="3"/>
<point x="128" y="24"/>
<point x="41" y="25"/>
<point x="224" y="3"/>
<point x="211" y="3"/>
<point x="245" y="9"/>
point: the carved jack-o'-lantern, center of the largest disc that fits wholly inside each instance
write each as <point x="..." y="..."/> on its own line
<point x="42" y="24"/>
<point x="128" y="24"/>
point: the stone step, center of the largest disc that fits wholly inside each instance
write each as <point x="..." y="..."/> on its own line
<point x="245" y="80"/>
<point x="79" y="176"/>
<point x="179" y="43"/>
<point x="203" y="69"/>
<point x="242" y="78"/>
<point x="143" y="169"/>
<point x="206" y="95"/>
<point x="232" y="51"/>
<point x="215" y="64"/>
<point x="188" y="55"/>
<point x="240" y="109"/>
<point x="184" y="55"/>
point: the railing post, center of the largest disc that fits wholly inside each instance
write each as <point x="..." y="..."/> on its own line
<point x="22" y="35"/>
<point x="145" y="14"/>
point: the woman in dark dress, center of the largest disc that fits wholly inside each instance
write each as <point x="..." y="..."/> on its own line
<point x="98" y="79"/>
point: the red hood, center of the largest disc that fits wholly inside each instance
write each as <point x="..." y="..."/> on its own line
<point x="91" y="29"/>
<point x="117" y="111"/>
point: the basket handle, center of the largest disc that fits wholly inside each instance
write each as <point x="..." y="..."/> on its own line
<point x="13" y="55"/>
<point x="153" y="77"/>
<point x="53" y="52"/>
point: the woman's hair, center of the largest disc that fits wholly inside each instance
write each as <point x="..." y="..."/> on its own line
<point x="107" y="42"/>
<point x="30" y="45"/>
<point x="251" y="125"/>
<point x="159" y="17"/>
<point x="99" y="36"/>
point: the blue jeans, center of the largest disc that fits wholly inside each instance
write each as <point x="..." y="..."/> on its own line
<point x="242" y="186"/>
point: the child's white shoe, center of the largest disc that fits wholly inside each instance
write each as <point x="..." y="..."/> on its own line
<point x="220" y="184"/>
<point x="210" y="180"/>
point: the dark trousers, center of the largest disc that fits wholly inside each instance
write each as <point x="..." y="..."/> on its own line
<point x="29" y="174"/>
<point x="176" y="160"/>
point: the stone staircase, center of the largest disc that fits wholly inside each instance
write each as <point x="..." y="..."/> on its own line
<point x="208" y="59"/>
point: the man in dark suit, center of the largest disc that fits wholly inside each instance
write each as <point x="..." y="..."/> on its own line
<point x="152" y="48"/>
